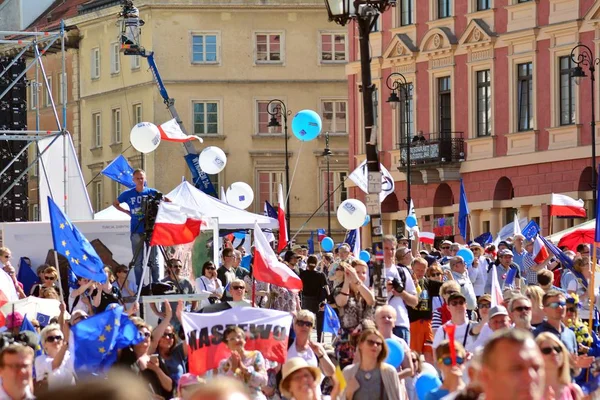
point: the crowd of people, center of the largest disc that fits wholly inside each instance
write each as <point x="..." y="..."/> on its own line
<point x="531" y="339"/>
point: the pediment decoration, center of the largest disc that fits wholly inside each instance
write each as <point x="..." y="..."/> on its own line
<point x="438" y="41"/>
<point x="400" y="48"/>
<point x="593" y="14"/>
<point x="477" y="34"/>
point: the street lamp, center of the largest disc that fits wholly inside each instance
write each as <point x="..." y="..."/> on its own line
<point x="327" y="153"/>
<point x="366" y="13"/>
<point x="585" y="57"/>
<point x="281" y="110"/>
<point x="396" y="82"/>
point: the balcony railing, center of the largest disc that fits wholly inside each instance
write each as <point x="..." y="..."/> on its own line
<point x="433" y="148"/>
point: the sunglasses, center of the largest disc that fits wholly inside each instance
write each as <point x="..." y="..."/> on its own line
<point x="457" y="303"/>
<point x="522" y="308"/>
<point x="556" y="304"/>
<point x="445" y="247"/>
<point x="448" y="361"/>
<point x="238" y="287"/>
<point x="374" y="343"/>
<point x="549" y="350"/>
<point x="52" y="339"/>
<point x="169" y="335"/>
<point x="49" y="278"/>
<point x="211" y="268"/>
<point x="484" y="305"/>
<point x="307" y="324"/>
<point x="436" y="274"/>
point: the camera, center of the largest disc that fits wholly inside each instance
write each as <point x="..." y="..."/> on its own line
<point x="150" y="209"/>
<point x="397" y="285"/>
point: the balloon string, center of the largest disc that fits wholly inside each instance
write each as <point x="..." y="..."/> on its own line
<point x="294" y="172"/>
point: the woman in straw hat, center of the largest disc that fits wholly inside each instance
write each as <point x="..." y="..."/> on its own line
<point x="299" y="380"/>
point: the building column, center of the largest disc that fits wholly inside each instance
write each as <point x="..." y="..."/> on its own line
<point x="475" y="223"/>
<point x="495" y="220"/>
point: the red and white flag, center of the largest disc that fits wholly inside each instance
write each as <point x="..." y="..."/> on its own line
<point x="496" y="294"/>
<point x="266" y="331"/>
<point x="565" y="206"/>
<point x="427" y="237"/>
<point x="176" y="225"/>
<point x="267" y="268"/>
<point x="283" y="234"/>
<point x="540" y="253"/>
<point x="171" y="132"/>
<point x="8" y="293"/>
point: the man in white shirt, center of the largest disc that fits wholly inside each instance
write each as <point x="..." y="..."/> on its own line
<point x="16" y="370"/>
<point x="389" y="257"/>
<point x="461" y="276"/>
<point x="457" y="305"/>
<point x="478" y="269"/>
<point x="401" y="292"/>
<point x="498" y="320"/>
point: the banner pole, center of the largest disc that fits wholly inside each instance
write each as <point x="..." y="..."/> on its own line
<point x="60" y="287"/>
<point x="591" y="287"/>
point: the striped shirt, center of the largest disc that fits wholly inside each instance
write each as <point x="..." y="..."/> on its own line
<point x="528" y="273"/>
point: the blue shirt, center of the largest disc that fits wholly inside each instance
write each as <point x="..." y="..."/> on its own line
<point x="565" y="335"/>
<point x="133" y="198"/>
<point x="437" y="394"/>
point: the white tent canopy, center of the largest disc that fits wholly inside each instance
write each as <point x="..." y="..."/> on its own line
<point x="229" y="217"/>
<point x="112" y="214"/>
<point x="555" y="237"/>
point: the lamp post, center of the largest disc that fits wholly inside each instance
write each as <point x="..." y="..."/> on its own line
<point x="281" y="110"/>
<point x="366" y="13"/>
<point x="396" y="82"/>
<point x="585" y="57"/>
<point x="327" y="153"/>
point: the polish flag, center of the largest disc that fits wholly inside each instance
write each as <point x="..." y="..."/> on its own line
<point x="176" y="225"/>
<point x="8" y="293"/>
<point x="283" y="235"/>
<point x="565" y="206"/>
<point x="496" y="294"/>
<point x="171" y="132"/>
<point x="427" y="237"/>
<point x="267" y="268"/>
<point x="540" y="253"/>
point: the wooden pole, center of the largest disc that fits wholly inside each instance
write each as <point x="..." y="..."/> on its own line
<point x="591" y="287"/>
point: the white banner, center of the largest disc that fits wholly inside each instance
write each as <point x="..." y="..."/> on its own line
<point x="360" y="177"/>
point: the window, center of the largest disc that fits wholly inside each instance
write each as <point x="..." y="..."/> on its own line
<point x="33" y="99"/>
<point x="97" y="129"/>
<point x="525" y="96"/>
<point x="206" y="117"/>
<point x="35" y="212"/>
<point x="334" y="116"/>
<point x="137" y="114"/>
<point x="483" y="5"/>
<point x="333" y="47"/>
<point x="406" y="121"/>
<point x="62" y="89"/>
<point x="484" y="107"/>
<point x="204" y="48"/>
<point x="115" y="60"/>
<point x="48" y="93"/>
<point x="97" y="196"/>
<point x="567" y="92"/>
<point x="268" y="185"/>
<point x="264" y="117"/>
<point x="444" y="8"/>
<point x="116" y="125"/>
<point x="117" y="187"/>
<point x="135" y="62"/>
<point x="445" y="106"/>
<point x="95" y="65"/>
<point x="329" y="185"/>
<point x="523" y="1"/>
<point x="406" y="12"/>
<point x="268" y="48"/>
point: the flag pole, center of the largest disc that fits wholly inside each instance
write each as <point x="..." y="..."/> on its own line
<point x="60" y="287"/>
<point x="591" y="286"/>
<point x="469" y="228"/>
<point x="253" y="291"/>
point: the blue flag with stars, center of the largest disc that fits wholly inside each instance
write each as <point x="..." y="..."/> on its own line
<point x="69" y="242"/>
<point x="120" y="171"/>
<point x="28" y="326"/>
<point x="98" y="338"/>
<point x="331" y="322"/>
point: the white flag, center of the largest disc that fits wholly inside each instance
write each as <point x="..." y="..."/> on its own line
<point x="360" y="177"/>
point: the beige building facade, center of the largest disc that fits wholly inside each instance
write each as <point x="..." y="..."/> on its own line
<point x="222" y="63"/>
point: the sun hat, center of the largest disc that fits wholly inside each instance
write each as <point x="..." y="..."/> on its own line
<point x="292" y="365"/>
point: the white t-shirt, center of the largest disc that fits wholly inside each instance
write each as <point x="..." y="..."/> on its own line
<point x="484" y="335"/>
<point x="459" y="336"/>
<point x="203" y="284"/>
<point x="61" y="376"/>
<point x="391" y="272"/>
<point x="307" y="355"/>
<point x="478" y="276"/>
<point x="397" y="302"/>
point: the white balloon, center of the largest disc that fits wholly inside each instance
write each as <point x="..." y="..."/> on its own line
<point x="240" y="195"/>
<point x="145" y="137"/>
<point x="212" y="160"/>
<point x="351" y="214"/>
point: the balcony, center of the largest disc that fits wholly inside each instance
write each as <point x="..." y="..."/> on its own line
<point x="434" y="157"/>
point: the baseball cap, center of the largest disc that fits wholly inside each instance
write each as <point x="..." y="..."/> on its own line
<point x="430" y="260"/>
<point x="476" y="244"/>
<point x="456" y="295"/>
<point x="485" y="297"/>
<point x="296" y="247"/>
<point x="504" y="242"/>
<point x="505" y="252"/>
<point x="498" y="310"/>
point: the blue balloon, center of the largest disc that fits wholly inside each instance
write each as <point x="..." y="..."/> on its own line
<point x="426" y="383"/>
<point x="306" y="125"/>
<point x="327" y="243"/>
<point x="367" y="220"/>
<point x="365" y="256"/>
<point x="467" y="255"/>
<point x="411" y="221"/>
<point x="395" y="353"/>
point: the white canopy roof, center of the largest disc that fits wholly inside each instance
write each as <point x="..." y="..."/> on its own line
<point x="112" y="214"/>
<point x="229" y="217"/>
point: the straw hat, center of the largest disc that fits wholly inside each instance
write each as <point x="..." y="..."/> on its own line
<point x="292" y="365"/>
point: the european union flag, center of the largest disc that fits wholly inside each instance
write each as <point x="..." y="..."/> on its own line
<point x="120" y="171"/>
<point x="311" y="243"/>
<point x="72" y="278"/>
<point x="98" y="338"/>
<point x="27" y="326"/>
<point x="510" y="277"/>
<point x="270" y="210"/>
<point x="350" y="238"/>
<point x="69" y="242"/>
<point x="43" y="319"/>
<point x="26" y="275"/>
<point x="463" y="211"/>
<point x="484" y="238"/>
<point x="331" y="322"/>
<point x="530" y="230"/>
